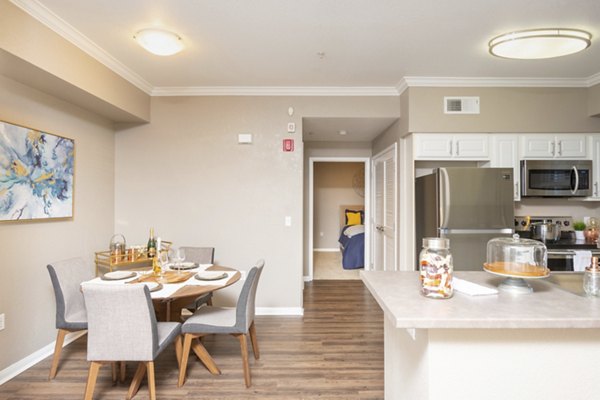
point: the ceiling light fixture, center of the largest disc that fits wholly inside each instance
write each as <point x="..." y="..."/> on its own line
<point x="540" y="43"/>
<point x="159" y="42"/>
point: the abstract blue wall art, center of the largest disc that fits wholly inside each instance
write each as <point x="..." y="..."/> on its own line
<point x="36" y="174"/>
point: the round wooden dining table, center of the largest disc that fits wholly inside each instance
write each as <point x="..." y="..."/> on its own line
<point x="169" y="308"/>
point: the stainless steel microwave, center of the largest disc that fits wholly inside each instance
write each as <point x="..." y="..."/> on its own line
<point x="556" y="178"/>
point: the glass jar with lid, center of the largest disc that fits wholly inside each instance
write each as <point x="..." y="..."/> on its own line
<point x="592" y="230"/>
<point x="591" y="279"/>
<point x="516" y="257"/>
<point x="435" y="268"/>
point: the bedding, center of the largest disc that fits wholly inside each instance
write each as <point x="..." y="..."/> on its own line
<point x="352" y="242"/>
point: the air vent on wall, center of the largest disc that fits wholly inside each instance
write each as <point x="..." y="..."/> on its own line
<point x="461" y="105"/>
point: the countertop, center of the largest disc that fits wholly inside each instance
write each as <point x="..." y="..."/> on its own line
<point x="555" y="303"/>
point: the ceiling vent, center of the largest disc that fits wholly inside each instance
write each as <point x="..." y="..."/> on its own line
<point x="461" y="105"/>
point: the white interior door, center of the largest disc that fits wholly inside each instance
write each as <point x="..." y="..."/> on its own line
<point x="384" y="225"/>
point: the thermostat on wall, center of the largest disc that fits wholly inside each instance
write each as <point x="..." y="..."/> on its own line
<point x="245" y="138"/>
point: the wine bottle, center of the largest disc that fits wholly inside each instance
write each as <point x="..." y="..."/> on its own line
<point x="151" y="244"/>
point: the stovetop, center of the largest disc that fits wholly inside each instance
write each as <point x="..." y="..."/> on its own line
<point x="567" y="239"/>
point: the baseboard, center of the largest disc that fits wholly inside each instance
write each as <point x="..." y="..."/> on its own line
<point x="328" y="250"/>
<point x="15" y="369"/>
<point x="308" y="278"/>
<point x="279" y="311"/>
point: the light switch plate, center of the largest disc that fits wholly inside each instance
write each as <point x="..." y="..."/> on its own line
<point x="291" y="127"/>
<point x="1" y="321"/>
<point x="288" y="221"/>
<point x="245" y="138"/>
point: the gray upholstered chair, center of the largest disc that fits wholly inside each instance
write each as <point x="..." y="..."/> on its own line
<point x="122" y="327"/>
<point x="66" y="276"/>
<point x="237" y="322"/>
<point x="199" y="255"/>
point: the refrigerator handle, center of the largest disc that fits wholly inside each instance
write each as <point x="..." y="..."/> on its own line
<point x="574" y="190"/>
<point x="444" y="197"/>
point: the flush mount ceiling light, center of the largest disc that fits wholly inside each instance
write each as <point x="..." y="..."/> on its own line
<point x="540" y="43"/>
<point x="159" y="42"/>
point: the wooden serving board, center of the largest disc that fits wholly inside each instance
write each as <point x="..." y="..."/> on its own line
<point x="167" y="277"/>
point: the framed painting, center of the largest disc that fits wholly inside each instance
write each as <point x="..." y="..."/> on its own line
<point x="36" y="174"/>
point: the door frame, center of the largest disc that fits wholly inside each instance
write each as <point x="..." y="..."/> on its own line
<point x="311" y="207"/>
<point x="394" y="149"/>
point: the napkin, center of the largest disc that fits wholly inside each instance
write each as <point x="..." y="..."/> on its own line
<point x="581" y="259"/>
<point x="472" y="289"/>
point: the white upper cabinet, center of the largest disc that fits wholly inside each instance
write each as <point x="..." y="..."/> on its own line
<point x="595" y="140"/>
<point x="505" y="153"/>
<point x="447" y="146"/>
<point x="553" y="146"/>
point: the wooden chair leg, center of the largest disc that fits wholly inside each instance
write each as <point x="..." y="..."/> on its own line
<point x="60" y="339"/>
<point x="244" y="349"/>
<point x="113" y="366"/>
<point x="137" y="380"/>
<point x="205" y="357"/>
<point x="91" y="382"/>
<point x="151" y="383"/>
<point x="187" y="341"/>
<point x="254" y="341"/>
<point x="178" y="350"/>
<point x="122" y="371"/>
<point x="209" y="302"/>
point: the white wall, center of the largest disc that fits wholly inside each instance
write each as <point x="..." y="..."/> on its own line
<point x="26" y="295"/>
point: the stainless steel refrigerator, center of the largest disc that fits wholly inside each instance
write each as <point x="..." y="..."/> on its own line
<point x="467" y="205"/>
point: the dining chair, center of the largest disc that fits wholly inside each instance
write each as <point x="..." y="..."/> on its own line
<point x="66" y="275"/>
<point x="237" y="322"/>
<point x="199" y="255"/>
<point x="122" y="326"/>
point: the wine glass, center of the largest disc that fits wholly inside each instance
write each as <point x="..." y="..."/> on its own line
<point x="178" y="258"/>
<point x="164" y="260"/>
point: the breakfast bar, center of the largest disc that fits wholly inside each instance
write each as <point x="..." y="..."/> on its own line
<point x="543" y="345"/>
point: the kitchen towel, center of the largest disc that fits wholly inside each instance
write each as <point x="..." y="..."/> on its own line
<point x="581" y="259"/>
<point x="472" y="289"/>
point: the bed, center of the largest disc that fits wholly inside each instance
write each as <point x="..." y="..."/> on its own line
<point x="352" y="236"/>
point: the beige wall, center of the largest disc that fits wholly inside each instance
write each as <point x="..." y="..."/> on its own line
<point x="594" y="101"/>
<point x="185" y="175"/>
<point x="26" y="296"/>
<point x="518" y="110"/>
<point x="333" y="187"/>
<point x="64" y="70"/>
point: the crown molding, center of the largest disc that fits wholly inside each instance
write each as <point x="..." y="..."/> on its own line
<point x="401" y="86"/>
<point x="422" y="81"/>
<point x="594" y="80"/>
<point x="276" y="91"/>
<point x="68" y="32"/>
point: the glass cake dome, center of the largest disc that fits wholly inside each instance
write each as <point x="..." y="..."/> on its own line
<point x="516" y="259"/>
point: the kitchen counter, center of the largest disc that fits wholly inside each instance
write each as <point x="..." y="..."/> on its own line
<point x="494" y="347"/>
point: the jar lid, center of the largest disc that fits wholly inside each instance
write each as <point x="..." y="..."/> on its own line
<point x="436" y="243"/>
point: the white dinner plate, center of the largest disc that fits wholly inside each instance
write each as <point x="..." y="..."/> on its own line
<point x="118" y="275"/>
<point x="153" y="286"/>
<point x="210" y="275"/>
<point x="183" y="266"/>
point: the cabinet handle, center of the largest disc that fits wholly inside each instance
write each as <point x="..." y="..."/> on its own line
<point x="457" y="143"/>
<point x="451" y="143"/>
<point x="553" y="148"/>
<point x="596" y="189"/>
<point x="516" y="189"/>
<point x="560" y="147"/>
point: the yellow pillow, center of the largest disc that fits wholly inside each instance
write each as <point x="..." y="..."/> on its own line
<point x="353" y="217"/>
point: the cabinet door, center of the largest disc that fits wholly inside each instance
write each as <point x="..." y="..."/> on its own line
<point x="472" y="146"/>
<point x="433" y="146"/>
<point x="538" y="146"/>
<point x="505" y="153"/>
<point x="570" y="146"/>
<point x="596" y="167"/>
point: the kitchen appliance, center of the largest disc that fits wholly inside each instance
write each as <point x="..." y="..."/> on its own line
<point x="469" y="206"/>
<point x="556" y="178"/>
<point x="562" y="252"/>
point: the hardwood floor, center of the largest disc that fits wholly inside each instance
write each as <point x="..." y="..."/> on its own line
<point x="335" y="351"/>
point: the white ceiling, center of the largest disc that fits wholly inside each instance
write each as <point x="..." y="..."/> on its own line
<point x="371" y="47"/>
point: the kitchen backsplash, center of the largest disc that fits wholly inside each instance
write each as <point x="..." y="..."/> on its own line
<point x="557" y="207"/>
